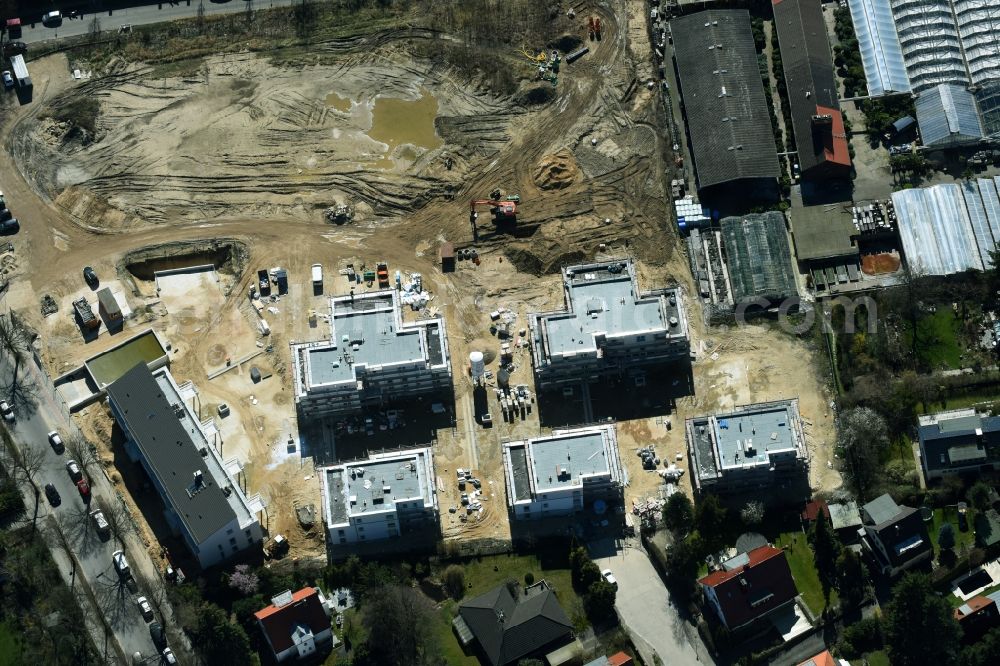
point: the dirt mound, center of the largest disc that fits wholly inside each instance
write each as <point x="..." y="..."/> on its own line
<point x="880" y="264"/>
<point x="556" y="171"/>
<point x="565" y="43"/>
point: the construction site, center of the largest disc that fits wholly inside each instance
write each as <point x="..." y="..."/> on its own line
<point x="205" y="197"/>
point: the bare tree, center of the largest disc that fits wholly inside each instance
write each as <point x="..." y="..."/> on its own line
<point x="25" y="463"/>
<point x="120" y="523"/>
<point x="752" y="513"/>
<point x="862" y="435"/>
<point x="201" y="16"/>
<point x="84" y="453"/>
<point x="15" y="339"/>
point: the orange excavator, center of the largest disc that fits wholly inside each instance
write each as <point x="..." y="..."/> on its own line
<point x="502" y="208"/>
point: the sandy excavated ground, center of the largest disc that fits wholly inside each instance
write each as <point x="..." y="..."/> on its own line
<point x="249" y="150"/>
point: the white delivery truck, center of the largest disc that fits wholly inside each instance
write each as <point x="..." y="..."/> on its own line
<point x="317" y="271"/>
<point x="20" y="71"/>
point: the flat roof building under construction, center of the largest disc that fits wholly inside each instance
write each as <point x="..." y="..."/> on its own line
<point x="379" y="497"/>
<point x="755" y="447"/>
<point x="606" y="321"/>
<point x="372" y="356"/>
<point x="559" y="474"/>
<point x="728" y="123"/>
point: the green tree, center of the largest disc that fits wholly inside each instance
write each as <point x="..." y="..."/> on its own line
<point x="678" y="514"/>
<point x="979" y="496"/>
<point x="826" y="550"/>
<point x="946" y="536"/>
<point x="920" y="627"/>
<point x="984" y="652"/>
<point x="219" y="640"/>
<point x="682" y="561"/>
<point x="711" y="522"/>
<point x="399" y="621"/>
<point x="850" y="578"/>
<point x="599" y="602"/>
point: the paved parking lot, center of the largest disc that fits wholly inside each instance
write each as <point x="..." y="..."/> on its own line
<point x="645" y="607"/>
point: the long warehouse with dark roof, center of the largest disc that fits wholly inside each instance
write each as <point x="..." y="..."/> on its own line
<point x="729" y="128"/>
<point x="817" y="124"/>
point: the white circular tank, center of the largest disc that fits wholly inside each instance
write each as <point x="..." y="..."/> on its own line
<point x="478" y="365"/>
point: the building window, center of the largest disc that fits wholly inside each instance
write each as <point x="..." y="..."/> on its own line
<point x="232" y="541"/>
<point x="248" y="534"/>
<point x="361" y="529"/>
<point x="640" y="338"/>
<point x="235" y="548"/>
<point x="229" y="531"/>
<point x="340" y="532"/>
<point x="545" y="506"/>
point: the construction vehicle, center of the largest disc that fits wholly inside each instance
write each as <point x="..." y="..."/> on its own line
<point x="503" y="209"/>
<point x="369" y="277"/>
<point x="597" y="28"/>
<point x="20" y="72"/>
<point x="382" y="270"/>
<point x="591" y="28"/>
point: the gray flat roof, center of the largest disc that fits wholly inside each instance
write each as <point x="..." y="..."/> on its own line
<point x="170" y="445"/>
<point x="377" y="484"/>
<point x="822" y="232"/>
<point x="519" y="472"/>
<point x="603" y="301"/>
<point x="745" y="437"/>
<point x="372" y="339"/>
<point x="560" y="460"/>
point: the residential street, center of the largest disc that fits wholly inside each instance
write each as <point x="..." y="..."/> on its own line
<point x="111" y="20"/>
<point x="95" y="572"/>
<point x="645" y="607"/>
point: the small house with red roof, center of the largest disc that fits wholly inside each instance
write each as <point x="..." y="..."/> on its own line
<point x="750" y="586"/>
<point x="824" y="658"/>
<point x="296" y="625"/>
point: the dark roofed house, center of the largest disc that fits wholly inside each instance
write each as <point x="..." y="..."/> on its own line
<point x="958" y="441"/>
<point x="817" y="123"/>
<point x="729" y="126"/>
<point x="750" y="586"/>
<point x="296" y="625"/>
<point x="511" y="626"/>
<point x="895" y="535"/>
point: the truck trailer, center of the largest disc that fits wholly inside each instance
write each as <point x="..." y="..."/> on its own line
<point x="20" y="71"/>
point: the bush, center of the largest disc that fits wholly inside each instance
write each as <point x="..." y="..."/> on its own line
<point x="529" y="579"/>
<point x="864" y="636"/>
<point x="454" y="581"/>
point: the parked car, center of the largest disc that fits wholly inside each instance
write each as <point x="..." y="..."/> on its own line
<point x="100" y="522"/>
<point x="5" y="214"/>
<point x="91" y="277"/>
<point x="84" y="489"/>
<point x="14" y="48"/>
<point x="56" y="441"/>
<point x="9" y="227"/>
<point x="145" y="608"/>
<point x="8" y="80"/>
<point x="121" y="564"/>
<point x="158" y="635"/>
<point x="52" y="494"/>
<point x="610" y="577"/>
<point x="6" y="411"/>
<point x="168" y="656"/>
<point x="52" y="19"/>
<point x="74" y="470"/>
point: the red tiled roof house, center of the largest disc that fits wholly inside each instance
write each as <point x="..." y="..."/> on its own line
<point x="295" y="625"/>
<point x="750" y="586"/>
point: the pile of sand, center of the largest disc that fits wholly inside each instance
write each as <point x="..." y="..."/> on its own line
<point x="556" y="171"/>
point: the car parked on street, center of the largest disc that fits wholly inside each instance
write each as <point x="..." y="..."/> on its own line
<point x="100" y="522"/>
<point x="56" y="441"/>
<point x="168" y="656"/>
<point x="8" y="80"/>
<point x="84" y="489"/>
<point x="158" y="635"/>
<point x="14" y="48"/>
<point x="52" y="494"/>
<point x="6" y="411"/>
<point x="121" y="563"/>
<point x="74" y="470"/>
<point x="145" y="608"/>
<point x="52" y="19"/>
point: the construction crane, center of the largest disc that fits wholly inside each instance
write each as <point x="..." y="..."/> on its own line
<point x="502" y="208"/>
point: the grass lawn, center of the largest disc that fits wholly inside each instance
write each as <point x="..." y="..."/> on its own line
<point x="10" y="650"/>
<point x="950" y="514"/>
<point x="482" y="575"/>
<point x="956" y="602"/>
<point x="800" y="561"/>
<point x="937" y="336"/>
<point x="879" y="658"/>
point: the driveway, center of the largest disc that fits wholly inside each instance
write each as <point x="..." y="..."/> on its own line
<point x="645" y="607"/>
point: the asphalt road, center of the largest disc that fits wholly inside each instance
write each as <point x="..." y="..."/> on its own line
<point x="645" y="607"/>
<point x="111" y="20"/>
<point x="35" y="418"/>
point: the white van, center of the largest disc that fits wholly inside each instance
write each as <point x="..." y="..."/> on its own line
<point x="317" y="274"/>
